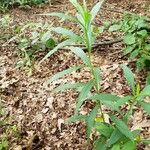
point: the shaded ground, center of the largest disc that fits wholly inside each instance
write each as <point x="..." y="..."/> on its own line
<point x="40" y="115"/>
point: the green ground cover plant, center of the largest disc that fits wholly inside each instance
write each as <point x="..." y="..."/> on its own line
<point x="136" y="35"/>
<point x="115" y="134"/>
<point x="4" y="4"/>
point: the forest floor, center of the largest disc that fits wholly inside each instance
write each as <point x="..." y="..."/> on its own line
<point x="40" y="115"/>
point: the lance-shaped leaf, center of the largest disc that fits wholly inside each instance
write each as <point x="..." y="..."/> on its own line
<point x="95" y="9"/>
<point x="129" y="146"/>
<point x="129" y="77"/>
<point x="91" y="120"/>
<point x="122" y="101"/>
<point x="122" y="127"/>
<point x="115" y="136"/>
<point x="78" y="7"/>
<point x="106" y="98"/>
<point x="63" y="73"/>
<point x="116" y="147"/>
<point x="67" y="33"/>
<point x="84" y="94"/>
<point x="97" y="78"/>
<point x="66" y="86"/>
<point x="100" y="144"/>
<point x="80" y="53"/>
<point x="60" y="45"/>
<point x="146" y="106"/>
<point x="76" y="118"/>
<point x="145" y="91"/>
<point x="60" y="15"/>
<point x="104" y="129"/>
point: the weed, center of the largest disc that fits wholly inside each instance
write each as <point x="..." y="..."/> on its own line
<point x="136" y="34"/>
<point x="116" y="134"/>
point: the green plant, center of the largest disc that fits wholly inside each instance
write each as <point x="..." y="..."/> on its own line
<point x="136" y="38"/>
<point x="114" y="135"/>
<point x="33" y="38"/>
<point x="4" y="4"/>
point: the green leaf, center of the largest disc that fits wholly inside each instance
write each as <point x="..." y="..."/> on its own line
<point x="95" y="9"/>
<point x="97" y="72"/>
<point x="146" y="106"/>
<point x="116" y="147"/>
<point x="76" y="118"/>
<point x="115" y="136"/>
<point x="91" y="120"/>
<point x="60" y="15"/>
<point x="129" y="146"/>
<point x="128" y="49"/>
<point x="122" y="101"/>
<point x="80" y="53"/>
<point x="143" y="33"/>
<point x="129" y="39"/>
<point x="129" y="77"/>
<point x="67" y="33"/>
<point x="107" y="99"/>
<point x="115" y="27"/>
<point x="146" y="141"/>
<point x="100" y="144"/>
<point x="77" y="6"/>
<point x="63" y="73"/>
<point x="145" y="91"/>
<point x="134" y="53"/>
<point x="84" y="94"/>
<point x="104" y="129"/>
<point x="50" y="43"/>
<point x="66" y="86"/>
<point x="60" y="45"/>
<point x="148" y="79"/>
<point x="122" y="127"/>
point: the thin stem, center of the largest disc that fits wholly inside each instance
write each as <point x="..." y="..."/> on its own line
<point x="96" y="87"/>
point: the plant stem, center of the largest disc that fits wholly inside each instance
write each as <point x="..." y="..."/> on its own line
<point x="96" y="87"/>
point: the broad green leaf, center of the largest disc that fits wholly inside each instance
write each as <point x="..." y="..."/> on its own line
<point x="134" y="53"/>
<point x="60" y="45"/>
<point x="97" y="78"/>
<point x="91" y="120"/>
<point x="66" y="86"/>
<point x="115" y="136"/>
<point x="129" y="39"/>
<point x="63" y="73"/>
<point x="122" y="127"/>
<point x="60" y="15"/>
<point x="129" y="77"/>
<point x="80" y="53"/>
<point x="129" y="146"/>
<point x="146" y="106"/>
<point x="122" y="101"/>
<point x="116" y="147"/>
<point x="50" y="43"/>
<point x="145" y="91"/>
<point x="128" y="49"/>
<point x="115" y="27"/>
<point x="84" y="94"/>
<point x="95" y="9"/>
<point x="104" y="129"/>
<point x="67" y="33"/>
<point x="143" y="33"/>
<point x="76" y="118"/>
